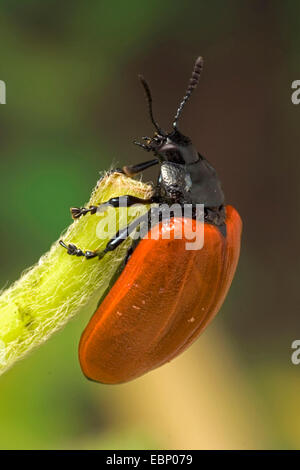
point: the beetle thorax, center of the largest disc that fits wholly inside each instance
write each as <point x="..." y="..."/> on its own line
<point x="174" y="182"/>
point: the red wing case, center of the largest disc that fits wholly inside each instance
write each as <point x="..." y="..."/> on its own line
<point x="164" y="298"/>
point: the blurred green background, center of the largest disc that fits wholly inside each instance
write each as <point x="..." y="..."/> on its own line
<point x="74" y="105"/>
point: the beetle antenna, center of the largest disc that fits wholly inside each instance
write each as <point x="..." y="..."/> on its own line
<point x="149" y="100"/>
<point x="194" y="80"/>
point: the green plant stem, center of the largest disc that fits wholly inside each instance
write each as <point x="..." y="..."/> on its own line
<point x="59" y="285"/>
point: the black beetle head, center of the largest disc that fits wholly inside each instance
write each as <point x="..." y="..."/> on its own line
<point x="173" y="147"/>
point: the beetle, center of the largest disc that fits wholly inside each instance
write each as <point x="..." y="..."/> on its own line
<point x="166" y="295"/>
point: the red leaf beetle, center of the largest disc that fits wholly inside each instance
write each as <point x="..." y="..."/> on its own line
<point x="166" y="295"/>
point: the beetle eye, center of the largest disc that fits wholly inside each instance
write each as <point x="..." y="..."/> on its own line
<point x="175" y="157"/>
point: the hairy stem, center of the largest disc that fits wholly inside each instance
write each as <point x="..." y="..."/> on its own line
<point x="59" y="285"/>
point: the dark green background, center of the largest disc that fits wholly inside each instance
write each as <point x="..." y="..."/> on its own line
<point x="73" y="108"/>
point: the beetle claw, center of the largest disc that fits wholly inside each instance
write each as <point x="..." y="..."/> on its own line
<point x="73" y="250"/>
<point x="76" y="212"/>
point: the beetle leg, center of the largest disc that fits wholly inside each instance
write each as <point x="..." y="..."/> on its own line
<point x="122" y="234"/>
<point x="73" y="250"/>
<point x="119" y="238"/>
<point x="121" y="201"/>
<point x="79" y="211"/>
<point x="135" y="169"/>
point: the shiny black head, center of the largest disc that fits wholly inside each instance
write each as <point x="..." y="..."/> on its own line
<point x="185" y="176"/>
<point x="174" y="146"/>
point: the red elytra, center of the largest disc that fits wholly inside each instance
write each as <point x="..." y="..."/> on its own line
<point x="161" y="302"/>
